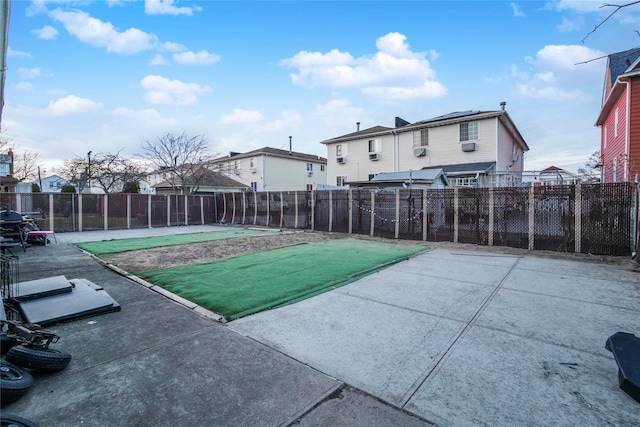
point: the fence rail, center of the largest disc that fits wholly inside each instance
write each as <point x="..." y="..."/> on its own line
<point x="589" y="218"/>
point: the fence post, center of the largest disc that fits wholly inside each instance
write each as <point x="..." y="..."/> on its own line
<point x="313" y="210"/>
<point x="491" y="213"/>
<point x="244" y="207"/>
<point x="79" y="211"/>
<point x="281" y="210"/>
<point x="330" y="210"/>
<point x="373" y="213"/>
<point x="105" y="211"/>
<point x="456" y="215"/>
<point x="425" y="215"/>
<point x="397" y="231"/>
<point x="224" y="206"/>
<point x="233" y="215"/>
<point x="128" y="210"/>
<point x="149" y="210"/>
<point x="532" y="217"/>
<point x="186" y="209"/>
<point x="578" y="218"/>
<point x="202" y="209"/>
<point x="169" y="211"/>
<point x="51" y="210"/>
<point x="255" y="207"/>
<point x="295" y="220"/>
<point x="350" y="210"/>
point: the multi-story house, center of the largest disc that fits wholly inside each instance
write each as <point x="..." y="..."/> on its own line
<point x="474" y="148"/>
<point x="619" y="117"/>
<point x="272" y="169"/>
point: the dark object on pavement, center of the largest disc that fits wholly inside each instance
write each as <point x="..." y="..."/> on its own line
<point x="626" y="350"/>
<point x="41" y="359"/>
<point x="14" y="382"/>
<point x="10" y="420"/>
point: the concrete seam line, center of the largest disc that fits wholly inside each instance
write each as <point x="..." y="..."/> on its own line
<point x="419" y="382"/>
<point x="310" y="407"/>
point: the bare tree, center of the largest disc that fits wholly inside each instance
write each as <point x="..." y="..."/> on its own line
<point x="182" y="157"/>
<point x="77" y="172"/>
<point x="111" y="172"/>
<point x="25" y="165"/>
<point x="590" y="172"/>
<point x="616" y="9"/>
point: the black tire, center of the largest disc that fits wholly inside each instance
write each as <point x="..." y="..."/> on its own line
<point x="9" y="420"/>
<point x="7" y="342"/>
<point x="14" y="382"/>
<point x="40" y="359"/>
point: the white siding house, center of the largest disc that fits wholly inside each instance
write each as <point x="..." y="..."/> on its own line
<point x="272" y="169"/>
<point x="470" y="140"/>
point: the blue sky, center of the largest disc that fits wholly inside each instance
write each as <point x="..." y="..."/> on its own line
<point x="103" y="76"/>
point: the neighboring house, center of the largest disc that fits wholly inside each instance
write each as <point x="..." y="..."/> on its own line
<point x="7" y="181"/>
<point x="51" y="184"/>
<point x="418" y="179"/>
<point x="554" y="175"/>
<point x="272" y="169"/>
<point x="473" y="144"/>
<point x="210" y="182"/>
<point x="619" y="117"/>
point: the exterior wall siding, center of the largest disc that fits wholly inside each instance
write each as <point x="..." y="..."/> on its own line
<point x="444" y="148"/>
<point x="614" y="147"/>
<point x="634" y="130"/>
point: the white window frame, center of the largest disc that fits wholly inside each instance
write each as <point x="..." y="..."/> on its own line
<point x="322" y="167"/>
<point x="338" y="150"/>
<point x="309" y="167"/>
<point x="373" y="145"/>
<point x="420" y="138"/>
<point x="340" y="180"/>
<point x="615" y="124"/>
<point x="472" y="131"/>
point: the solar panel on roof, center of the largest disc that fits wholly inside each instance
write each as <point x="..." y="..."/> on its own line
<point x="453" y="115"/>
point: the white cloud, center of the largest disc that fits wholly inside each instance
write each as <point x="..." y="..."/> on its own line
<point x="166" y="7"/>
<point x="28" y="73"/>
<point x="46" y="33"/>
<point x="12" y="53"/>
<point x="240" y="116"/>
<point x="104" y="34"/>
<point x="202" y="57"/>
<point x="340" y="114"/>
<point x="71" y="104"/>
<point x="395" y="70"/>
<point x="558" y="72"/>
<point x="160" y="90"/>
<point x="158" y="60"/>
<point x="172" y="47"/>
<point x="146" y="114"/>
<point x="569" y="25"/>
<point x="516" y="10"/>
<point x="289" y="119"/>
<point x="25" y="87"/>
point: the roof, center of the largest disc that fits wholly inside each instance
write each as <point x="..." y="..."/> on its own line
<point x="619" y="63"/>
<point x="420" y="174"/>
<point x="443" y="120"/>
<point x="268" y="151"/>
<point x="467" y="168"/>
<point x="210" y="179"/>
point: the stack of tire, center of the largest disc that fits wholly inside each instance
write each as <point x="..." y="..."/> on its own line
<point x="16" y="370"/>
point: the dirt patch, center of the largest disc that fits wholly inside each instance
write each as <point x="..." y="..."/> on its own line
<point x="196" y="253"/>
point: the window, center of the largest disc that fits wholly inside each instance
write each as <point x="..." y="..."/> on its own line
<point x="615" y="124"/>
<point x="322" y="168"/>
<point x="339" y="150"/>
<point x="420" y="138"/>
<point x="605" y="136"/>
<point x="340" y="180"/>
<point x="251" y="162"/>
<point x="373" y="146"/>
<point x="254" y="186"/>
<point x="309" y="187"/>
<point x="4" y="169"/>
<point x="469" y="131"/>
<point x="615" y="170"/>
<point x="371" y="175"/>
<point x="309" y="167"/>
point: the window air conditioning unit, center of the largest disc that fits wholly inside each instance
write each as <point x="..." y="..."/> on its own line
<point x="341" y="160"/>
<point x="469" y="146"/>
<point x="420" y="152"/>
<point x="236" y="171"/>
<point x="374" y="156"/>
<point x="309" y="173"/>
<point x="515" y="157"/>
<point x="253" y="170"/>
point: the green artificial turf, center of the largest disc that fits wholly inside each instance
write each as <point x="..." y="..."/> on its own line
<point x="135" y="244"/>
<point x="247" y="284"/>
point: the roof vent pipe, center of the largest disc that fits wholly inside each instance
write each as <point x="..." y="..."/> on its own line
<point x="357" y="126"/>
<point x="502" y="105"/>
<point x="289" y="145"/>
